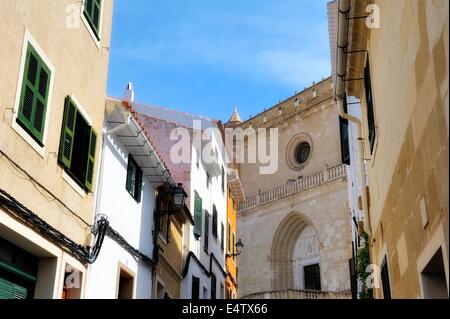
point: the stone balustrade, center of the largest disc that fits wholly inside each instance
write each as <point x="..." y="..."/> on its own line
<point x="299" y="294"/>
<point x="298" y="186"/>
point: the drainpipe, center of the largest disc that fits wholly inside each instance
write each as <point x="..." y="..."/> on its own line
<point x="339" y="94"/>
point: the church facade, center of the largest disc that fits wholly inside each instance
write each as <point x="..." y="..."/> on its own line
<point x="295" y="223"/>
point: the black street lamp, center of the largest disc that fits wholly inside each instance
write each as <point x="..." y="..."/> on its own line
<point x="179" y="196"/>
<point x="238" y="245"/>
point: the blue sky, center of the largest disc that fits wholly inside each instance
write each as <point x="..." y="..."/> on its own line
<point x="205" y="56"/>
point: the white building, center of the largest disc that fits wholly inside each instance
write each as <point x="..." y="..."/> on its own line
<point x="126" y="196"/>
<point x="205" y="182"/>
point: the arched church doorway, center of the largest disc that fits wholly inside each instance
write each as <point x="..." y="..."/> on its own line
<point x="296" y="255"/>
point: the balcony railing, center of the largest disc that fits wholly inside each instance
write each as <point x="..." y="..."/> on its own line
<point x="298" y="186"/>
<point x="299" y="294"/>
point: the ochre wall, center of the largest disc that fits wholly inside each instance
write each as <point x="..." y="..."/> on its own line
<point x="409" y="70"/>
<point x="80" y="69"/>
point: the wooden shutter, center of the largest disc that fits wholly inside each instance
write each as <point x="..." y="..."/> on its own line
<point x="130" y="172"/>
<point x="369" y="105"/>
<point x="90" y="160"/>
<point x="197" y="215"/>
<point x="92" y="11"/>
<point x="67" y="133"/>
<point x="34" y="95"/>
<point x="138" y="187"/>
<point x="9" y="290"/>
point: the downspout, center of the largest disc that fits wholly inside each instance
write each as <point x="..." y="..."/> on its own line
<point x="339" y="95"/>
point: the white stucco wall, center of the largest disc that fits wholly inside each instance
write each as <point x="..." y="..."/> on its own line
<point x="134" y="221"/>
<point x="210" y="196"/>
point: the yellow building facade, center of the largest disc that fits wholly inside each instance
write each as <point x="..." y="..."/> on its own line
<point x="231" y="262"/>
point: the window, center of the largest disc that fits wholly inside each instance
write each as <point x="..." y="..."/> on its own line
<point x="206" y="231"/>
<point x="164" y="223"/>
<point x="77" y="146"/>
<point x="208" y="180"/>
<point x="302" y="152"/>
<point x="92" y="11"/>
<point x="126" y="285"/>
<point x="213" y="286"/>
<point x="434" y="283"/>
<point x="385" y="280"/>
<point x="197" y="158"/>
<point x="222" y="235"/>
<point x="312" y="277"/>
<point x="214" y="222"/>
<point x="369" y="105"/>
<point x="229" y="237"/>
<point x="195" y="288"/>
<point x="160" y="291"/>
<point x="197" y="215"/>
<point x="34" y="95"/>
<point x="223" y="179"/>
<point x="134" y="179"/>
<point x="233" y="247"/>
<point x="345" y="144"/>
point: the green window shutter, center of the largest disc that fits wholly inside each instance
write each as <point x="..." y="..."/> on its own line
<point x="197" y="215"/>
<point x="130" y="173"/>
<point x="206" y="231"/>
<point x="92" y="10"/>
<point x="9" y="290"/>
<point x="67" y="133"/>
<point x="91" y="160"/>
<point x="34" y="95"/>
<point x="138" y="188"/>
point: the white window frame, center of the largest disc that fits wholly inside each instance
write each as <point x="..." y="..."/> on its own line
<point x="88" y="26"/>
<point x="29" y="39"/>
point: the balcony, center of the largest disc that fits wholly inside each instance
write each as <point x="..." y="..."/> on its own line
<point x="299" y="294"/>
<point x="301" y="185"/>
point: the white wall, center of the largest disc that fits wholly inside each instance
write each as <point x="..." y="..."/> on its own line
<point x="134" y="221"/>
<point x="212" y="195"/>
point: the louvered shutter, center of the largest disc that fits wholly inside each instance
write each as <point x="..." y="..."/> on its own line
<point x="138" y="189"/>
<point x="67" y="133"/>
<point x="197" y="216"/>
<point x="9" y="290"/>
<point x="91" y="160"/>
<point x="34" y="94"/>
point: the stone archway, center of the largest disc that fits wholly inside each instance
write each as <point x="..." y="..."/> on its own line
<point x="295" y="245"/>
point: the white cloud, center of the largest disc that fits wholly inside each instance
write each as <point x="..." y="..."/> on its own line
<point x="292" y="52"/>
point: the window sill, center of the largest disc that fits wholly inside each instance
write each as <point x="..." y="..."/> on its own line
<point x="69" y="180"/>
<point x="27" y="137"/>
<point x="90" y="31"/>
